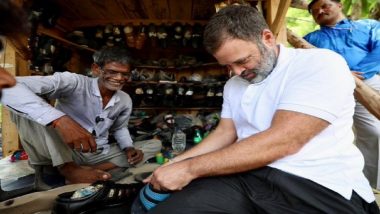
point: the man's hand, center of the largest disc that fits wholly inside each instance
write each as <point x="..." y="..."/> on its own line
<point x="74" y="135"/>
<point x="171" y="177"/>
<point x="358" y="74"/>
<point x="134" y="155"/>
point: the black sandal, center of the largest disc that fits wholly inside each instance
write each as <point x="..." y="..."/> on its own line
<point x="99" y="197"/>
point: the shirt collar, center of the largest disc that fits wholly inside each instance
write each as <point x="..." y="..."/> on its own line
<point x="96" y="92"/>
<point x="339" y="24"/>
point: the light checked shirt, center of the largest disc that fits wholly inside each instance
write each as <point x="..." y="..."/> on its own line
<point x="77" y="96"/>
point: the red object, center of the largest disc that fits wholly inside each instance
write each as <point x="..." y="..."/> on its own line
<point x="19" y="155"/>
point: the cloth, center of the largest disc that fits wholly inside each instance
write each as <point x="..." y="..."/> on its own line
<point x="14" y="170"/>
<point x="323" y="90"/>
<point x="45" y="147"/>
<point x="264" y="190"/>
<point x="367" y="131"/>
<point x="357" y="41"/>
<point x="77" y="96"/>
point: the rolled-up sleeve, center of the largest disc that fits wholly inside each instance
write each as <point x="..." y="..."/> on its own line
<point x="26" y="97"/>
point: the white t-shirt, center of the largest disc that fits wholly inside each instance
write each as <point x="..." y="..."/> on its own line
<point x="316" y="82"/>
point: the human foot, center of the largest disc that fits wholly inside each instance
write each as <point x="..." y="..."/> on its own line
<point x="74" y="173"/>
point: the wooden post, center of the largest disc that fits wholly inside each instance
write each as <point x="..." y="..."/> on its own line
<point x="10" y="138"/>
<point x="275" y="16"/>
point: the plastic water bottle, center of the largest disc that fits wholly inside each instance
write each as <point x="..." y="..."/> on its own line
<point x="178" y="141"/>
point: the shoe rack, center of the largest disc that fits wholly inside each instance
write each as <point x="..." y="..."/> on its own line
<point x="173" y="70"/>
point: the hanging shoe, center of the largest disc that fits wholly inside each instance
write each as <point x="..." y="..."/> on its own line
<point x="118" y="40"/>
<point x="180" y="95"/>
<point x="129" y="36"/>
<point x="149" y="96"/>
<point x="108" y="32"/>
<point x="169" y="95"/>
<point x="196" y="37"/>
<point x="152" y="35"/>
<point x="162" y="36"/>
<point x="138" y="96"/>
<point x="140" y="38"/>
<point x="177" y="29"/>
<point x="210" y="95"/>
<point x="187" y="35"/>
<point x="99" y="38"/>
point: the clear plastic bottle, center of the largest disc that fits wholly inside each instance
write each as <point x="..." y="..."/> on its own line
<point x="178" y="141"/>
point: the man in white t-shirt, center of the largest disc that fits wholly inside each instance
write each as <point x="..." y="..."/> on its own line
<point x="284" y="143"/>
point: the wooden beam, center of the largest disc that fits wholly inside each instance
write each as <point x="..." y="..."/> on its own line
<point x="297" y="41"/>
<point x="279" y="20"/>
<point x="299" y="4"/>
<point x="275" y="16"/>
<point x="136" y="22"/>
<point x="10" y="139"/>
<point x="368" y="97"/>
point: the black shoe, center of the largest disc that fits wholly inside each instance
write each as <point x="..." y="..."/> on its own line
<point x="99" y="197"/>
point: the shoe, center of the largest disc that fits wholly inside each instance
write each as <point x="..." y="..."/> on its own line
<point x="147" y="75"/>
<point x="117" y="36"/>
<point x="129" y="35"/>
<point x="166" y="76"/>
<point x="187" y="35"/>
<point x="196" y="40"/>
<point x="99" y="197"/>
<point x="177" y="29"/>
<point x="140" y="38"/>
<point x="162" y="36"/>
<point x="152" y="35"/>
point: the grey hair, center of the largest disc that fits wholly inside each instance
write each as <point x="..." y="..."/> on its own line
<point x="113" y="54"/>
<point x="233" y="22"/>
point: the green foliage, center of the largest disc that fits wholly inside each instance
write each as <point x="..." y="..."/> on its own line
<point x="300" y="21"/>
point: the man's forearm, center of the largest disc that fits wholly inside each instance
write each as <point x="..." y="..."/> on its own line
<point x="214" y="141"/>
<point x="289" y="132"/>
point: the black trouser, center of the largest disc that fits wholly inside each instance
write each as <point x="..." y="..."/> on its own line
<point x="265" y="190"/>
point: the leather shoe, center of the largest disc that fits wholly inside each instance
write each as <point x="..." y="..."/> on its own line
<point x="99" y="197"/>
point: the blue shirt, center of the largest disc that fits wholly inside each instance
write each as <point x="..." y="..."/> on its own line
<point x="77" y="96"/>
<point x="357" y="41"/>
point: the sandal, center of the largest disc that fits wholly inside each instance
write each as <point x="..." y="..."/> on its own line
<point x="99" y="197"/>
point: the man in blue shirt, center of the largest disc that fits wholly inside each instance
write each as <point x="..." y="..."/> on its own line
<point x="359" y="43"/>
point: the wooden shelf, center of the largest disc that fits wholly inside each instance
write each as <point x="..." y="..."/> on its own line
<point x="133" y="22"/>
<point x="136" y="83"/>
<point x="178" y="108"/>
<point x="55" y="34"/>
<point x="180" y="67"/>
